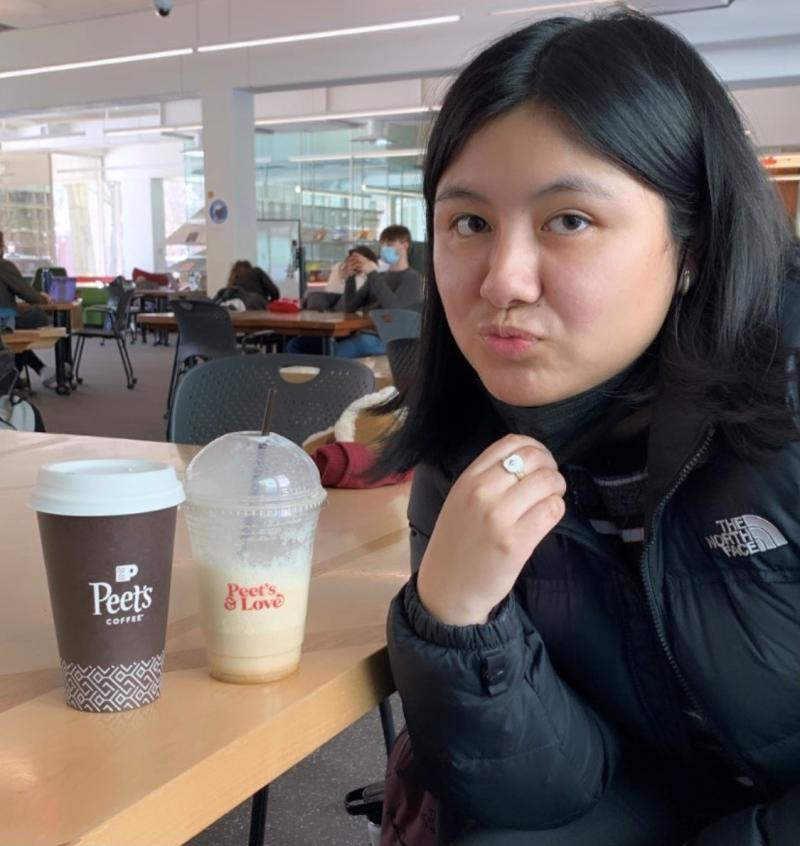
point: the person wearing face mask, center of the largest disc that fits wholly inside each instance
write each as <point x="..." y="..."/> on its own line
<point x="398" y="286"/>
<point x="599" y="644"/>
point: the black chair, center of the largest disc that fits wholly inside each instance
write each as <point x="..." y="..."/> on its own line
<point x="229" y="395"/>
<point x="8" y="373"/>
<point x="115" y="327"/>
<point x="205" y="332"/>
<point x="402" y="354"/>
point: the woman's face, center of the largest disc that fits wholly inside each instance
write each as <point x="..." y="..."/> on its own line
<point x="556" y="268"/>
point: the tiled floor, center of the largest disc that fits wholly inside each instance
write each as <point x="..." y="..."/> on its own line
<point x="306" y="804"/>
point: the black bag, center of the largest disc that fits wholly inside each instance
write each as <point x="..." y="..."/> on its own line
<point x="321" y="301"/>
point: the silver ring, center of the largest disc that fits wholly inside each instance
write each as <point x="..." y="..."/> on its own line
<point x="514" y="465"/>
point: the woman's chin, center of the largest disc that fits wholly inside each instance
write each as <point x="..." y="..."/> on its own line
<point x="520" y="395"/>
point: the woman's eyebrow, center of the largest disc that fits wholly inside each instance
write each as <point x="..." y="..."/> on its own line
<point x="574" y="183"/>
<point x="459" y="192"/>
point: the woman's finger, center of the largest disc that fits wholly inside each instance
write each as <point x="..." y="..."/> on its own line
<point x="494" y="455"/>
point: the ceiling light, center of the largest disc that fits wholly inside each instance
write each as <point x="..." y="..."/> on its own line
<point x="569" y="4"/>
<point x="395" y="192"/>
<point x="154" y="130"/>
<point x="331" y="33"/>
<point x="95" y="63"/>
<point x="404" y="110"/>
<point x="344" y="157"/>
<point x="38" y="142"/>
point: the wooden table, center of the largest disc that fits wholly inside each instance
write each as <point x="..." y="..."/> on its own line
<point x="33" y="339"/>
<point x="162" y="773"/>
<point x="68" y="316"/>
<point x="327" y="324"/>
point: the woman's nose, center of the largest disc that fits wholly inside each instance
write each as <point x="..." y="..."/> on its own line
<point x="513" y="273"/>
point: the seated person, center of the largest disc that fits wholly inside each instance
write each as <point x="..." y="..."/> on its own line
<point x="328" y="298"/>
<point x="249" y="284"/>
<point x="399" y="286"/>
<point x="341" y="271"/>
<point x="13" y="285"/>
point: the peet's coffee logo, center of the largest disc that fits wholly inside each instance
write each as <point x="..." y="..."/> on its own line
<point x="259" y="598"/>
<point x="121" y="606"/>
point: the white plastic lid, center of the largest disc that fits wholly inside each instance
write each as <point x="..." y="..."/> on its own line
<point x="105" y="487"/>
<point x="251" y="471"/>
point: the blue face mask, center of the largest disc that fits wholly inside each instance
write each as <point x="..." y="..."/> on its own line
<point x="390" y="254"/>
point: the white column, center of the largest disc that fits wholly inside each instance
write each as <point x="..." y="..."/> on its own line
<point x="230" y="176"/>
<point x="137" y="225"/>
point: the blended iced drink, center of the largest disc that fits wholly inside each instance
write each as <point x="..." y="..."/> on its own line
<point x="107" y="530"/>
<point x="252" y="507"/>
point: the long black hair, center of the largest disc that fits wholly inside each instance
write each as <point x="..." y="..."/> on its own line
<point x="639" y="95"/>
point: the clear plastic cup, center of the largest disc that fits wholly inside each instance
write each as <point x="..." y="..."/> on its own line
<point x="252" y="505"/>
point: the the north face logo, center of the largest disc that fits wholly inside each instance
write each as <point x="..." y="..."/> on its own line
<point x="745" y="535"/>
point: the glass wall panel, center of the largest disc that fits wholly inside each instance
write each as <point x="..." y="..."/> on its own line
<point x="341" y="186"/>
<point x="26" y="209"/>
<point x="81" y="201"/>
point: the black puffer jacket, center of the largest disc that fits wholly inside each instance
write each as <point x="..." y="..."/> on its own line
<point x="534" y="709"/>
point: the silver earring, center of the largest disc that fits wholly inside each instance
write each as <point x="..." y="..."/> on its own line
<point x="684" y="283"/>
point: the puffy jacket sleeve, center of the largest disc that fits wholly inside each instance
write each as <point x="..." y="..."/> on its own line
<point x="498" y="734"/>
<point x="773" y="824"/>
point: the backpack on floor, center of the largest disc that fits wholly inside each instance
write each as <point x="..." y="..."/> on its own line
<point x="18" y="415"/>
<point x="15" y="413"/>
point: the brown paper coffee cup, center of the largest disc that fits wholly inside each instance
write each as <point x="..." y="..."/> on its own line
<point x="109" y="581"/>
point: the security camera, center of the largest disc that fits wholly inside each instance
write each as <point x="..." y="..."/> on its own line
<point x="163" y="7"/>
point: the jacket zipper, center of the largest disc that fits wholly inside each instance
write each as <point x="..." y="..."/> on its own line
<point x="690" y="465"/>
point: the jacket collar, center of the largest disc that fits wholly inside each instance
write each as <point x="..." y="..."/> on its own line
<point x="677" y="431"/>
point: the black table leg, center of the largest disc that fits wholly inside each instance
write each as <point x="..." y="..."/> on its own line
<point x="258" y="817"/>
<point x="162" y="307"/>
<point x="327" y="345"/>
<point x="172" y="384"/>
<point x="63" y="353"/>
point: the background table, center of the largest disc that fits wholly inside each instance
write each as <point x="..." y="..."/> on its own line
<point x="327" y="324"/>
<point x="162" y="773"/>
<point x="33" y="339"/>
<point x="68" y="316"/>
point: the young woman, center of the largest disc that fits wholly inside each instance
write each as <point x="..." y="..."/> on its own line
<point x="343" y="269"/>
<point x="600" y="641"/>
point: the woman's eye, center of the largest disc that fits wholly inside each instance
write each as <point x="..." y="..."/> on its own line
<point x="470" y="224"/>
<point x="568" y="224"/>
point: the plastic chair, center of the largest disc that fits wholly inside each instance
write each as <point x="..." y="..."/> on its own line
<point x="116" y="326"/>
<point x="402" y="355"/>
<point x="114" y="290"/>
<point x="205" y="332"/>
<point x="229" y="395"/>
<point x="392" y="323"/>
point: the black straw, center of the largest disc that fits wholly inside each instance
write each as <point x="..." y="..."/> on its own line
<point x="265" y="426"/>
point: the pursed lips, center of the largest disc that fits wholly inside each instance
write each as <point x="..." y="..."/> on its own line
<point x="506" y="331"/>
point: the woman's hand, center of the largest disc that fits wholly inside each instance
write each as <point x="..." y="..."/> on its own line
<point x="358" y="263"/>
<point x="487" y="529"/>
